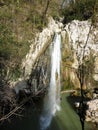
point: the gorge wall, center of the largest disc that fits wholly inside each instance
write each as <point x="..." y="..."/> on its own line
<point x="78" y="37"/>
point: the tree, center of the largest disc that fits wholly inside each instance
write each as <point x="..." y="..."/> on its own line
<point x="86" y="67"/>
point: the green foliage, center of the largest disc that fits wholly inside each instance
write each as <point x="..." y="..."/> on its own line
<point x="54" y="9"/>
<point x="11" y="52"/>
<point x="80" y="10"/>
<point x="5" y="40"/>
<point x="37" y="20"/>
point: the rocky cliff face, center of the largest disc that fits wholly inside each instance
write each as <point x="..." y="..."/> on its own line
<point x="78" y="38"/>
<point x="39" y="45"/>
<point x="36" y="64"/>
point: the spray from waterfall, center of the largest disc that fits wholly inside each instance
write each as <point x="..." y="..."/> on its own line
<point x="52" y="99"/>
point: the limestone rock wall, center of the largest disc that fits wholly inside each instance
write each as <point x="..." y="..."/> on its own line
<point x="40" y="75"/>
<point x="36" y="64"/>
<point x="39" y="45"/>
<point x="79" y="38"/>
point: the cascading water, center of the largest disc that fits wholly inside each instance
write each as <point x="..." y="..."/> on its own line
<point x="52" y="99"/>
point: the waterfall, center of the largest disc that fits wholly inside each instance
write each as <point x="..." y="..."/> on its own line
<point x="52" y="99"/>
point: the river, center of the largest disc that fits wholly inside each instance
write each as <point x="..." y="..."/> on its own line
<point x="65" y="119"/>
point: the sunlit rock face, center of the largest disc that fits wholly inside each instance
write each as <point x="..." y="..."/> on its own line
<point x="79" y="38"/>
<point x="82" y="35"/>
<point x="96" y="69"/>
<point x="40" y="75"/>
<point x="39" y="45"/>
<point x="36" y="64"/>
<point x="92" y="112"/>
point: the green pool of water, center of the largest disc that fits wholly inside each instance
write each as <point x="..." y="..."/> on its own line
<point x="66" y="119"/>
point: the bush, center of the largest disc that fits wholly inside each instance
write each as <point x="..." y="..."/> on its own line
<point x="11" y="52"/>
<point x="80" y="10"/>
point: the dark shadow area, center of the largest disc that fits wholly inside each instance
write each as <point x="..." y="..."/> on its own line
<point x="80" y="106"/>
<point x="54" y="125"/>
<point x="28" y="121"/>
<point x="76" y="99"/>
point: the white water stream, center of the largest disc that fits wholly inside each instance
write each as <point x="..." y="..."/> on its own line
<point x="52" y="99"/>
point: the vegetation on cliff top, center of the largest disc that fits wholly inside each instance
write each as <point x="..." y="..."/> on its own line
<point x="80" y="10"/>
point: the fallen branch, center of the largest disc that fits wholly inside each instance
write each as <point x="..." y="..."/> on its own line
<point x="68" y="91"/>
<point x="5" y="117"/>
